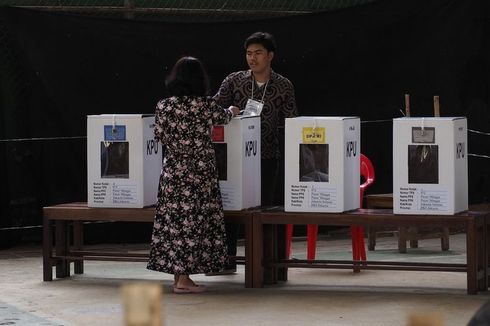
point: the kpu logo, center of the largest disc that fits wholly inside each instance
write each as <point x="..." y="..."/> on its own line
<point x="351" y="149"/>
<point x="151" y="147"/>
<point x="460" y="150"/>
<point x="251" y="147"/>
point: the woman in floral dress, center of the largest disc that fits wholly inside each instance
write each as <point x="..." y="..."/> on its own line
<point x="188" y="232"/>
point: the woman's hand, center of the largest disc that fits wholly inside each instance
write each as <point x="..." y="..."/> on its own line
<point x="234" y="110"/>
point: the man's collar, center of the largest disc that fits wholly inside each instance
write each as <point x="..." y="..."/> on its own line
<point x="273" y="76"/>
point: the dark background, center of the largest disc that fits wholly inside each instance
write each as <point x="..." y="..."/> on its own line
<point x="56" y="68"/>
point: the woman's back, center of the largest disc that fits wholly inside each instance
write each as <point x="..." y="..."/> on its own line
<point x="183" y="124"/>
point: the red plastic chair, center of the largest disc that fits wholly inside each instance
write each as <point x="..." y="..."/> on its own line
<point x="357" y="232"/>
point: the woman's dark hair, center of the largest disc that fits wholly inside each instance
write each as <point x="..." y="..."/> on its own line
<point x="266" y="39"/>
<point x="188" y="77"/>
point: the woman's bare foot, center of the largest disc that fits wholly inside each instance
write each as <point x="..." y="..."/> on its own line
<point x="184" y="281"/>
<point x="184" y="284"/>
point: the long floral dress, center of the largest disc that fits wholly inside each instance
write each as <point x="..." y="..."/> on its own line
<point x="188" y="232"/>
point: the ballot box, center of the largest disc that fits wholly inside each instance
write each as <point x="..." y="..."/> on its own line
<point x="237" y="147"/>
<point x="123" y="160"/>
<point x="430" y="166"/>
<point x="322" y="157"/>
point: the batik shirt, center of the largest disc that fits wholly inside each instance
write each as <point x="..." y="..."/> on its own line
<point x="279" y="103"/>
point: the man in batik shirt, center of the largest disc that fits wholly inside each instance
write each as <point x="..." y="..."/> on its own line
<point x="260" y="89"/>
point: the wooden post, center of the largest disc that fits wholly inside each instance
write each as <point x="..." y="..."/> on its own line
<point x="142" y="304"/>
<point x="407" y="105"/>
<point x="437" y="109"/>
<point x="129" y="9"/>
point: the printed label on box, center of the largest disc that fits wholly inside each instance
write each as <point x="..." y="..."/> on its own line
<point x="313" y="135"/>
<point x="124" y="194"/>
<point x="423" y="199"/>
<point x="408" y="197"/>
<point x="423" y="135"/>
<point x="298" y="193"/>
<point x="101" y="192"/>
<point x="433" y="200"/>
<point x="218" y="134"/>
<point x="323" y="197"/>
<point x="117" y="132"/>
<point x="227" y="196"/>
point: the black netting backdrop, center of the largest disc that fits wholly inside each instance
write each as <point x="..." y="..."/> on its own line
<point x="56" y="68"/>
<point x="186" y="10"/>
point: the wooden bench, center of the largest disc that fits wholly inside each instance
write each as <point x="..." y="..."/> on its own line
<point x="412" y="234"/>
<point x="275" y="264"/>
<point x="265" y="260"/>
<point x="65" y="222"/>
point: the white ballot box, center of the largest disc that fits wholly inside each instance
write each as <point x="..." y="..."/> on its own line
<point x="430" y="166"/>
<point x="237" y="146"/>
<point x="123" y="160"/>
<point x="322" y="158"/>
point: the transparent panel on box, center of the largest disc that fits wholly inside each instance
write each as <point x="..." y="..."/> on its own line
<point x="423" y="164"/>
<point x="313" y="162"/>
<point x="114" y="160"/>
<point x="221" y="160"/>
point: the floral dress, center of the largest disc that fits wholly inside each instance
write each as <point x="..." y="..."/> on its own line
<point x="188" y="232"/>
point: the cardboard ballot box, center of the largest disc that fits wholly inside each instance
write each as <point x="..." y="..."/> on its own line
<point x="123" y="160"/>
<point x="430" y="166"/>
<point x="237" y="146"/>
<point x="322" y="160"/>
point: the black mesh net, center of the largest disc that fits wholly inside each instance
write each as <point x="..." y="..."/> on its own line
<point x="187" y="10"/>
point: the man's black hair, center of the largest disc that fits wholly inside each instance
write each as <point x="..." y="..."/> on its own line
<point x="263" y="38"/>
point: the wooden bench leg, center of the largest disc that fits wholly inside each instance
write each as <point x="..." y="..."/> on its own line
<point x="257" y="244"/>
<point x="414" y="242"/>
<point x="482" y="257"/>
<point x="78" y="244"/>
<point x="281" y="233"/>
<point x="270" y="273"/>
<point x="487" y="248"/>
<point x="62" y="266"/>
<point x="445" y="239"/>
<point x="371" y="238"/>
<point x="402" y="240"/>
<point x="47" y="251"/>
<point x="249" y="255"/>
<point x="471" y="258"/>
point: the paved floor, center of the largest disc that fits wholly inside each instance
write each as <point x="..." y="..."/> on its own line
<point x="310" y="297"/>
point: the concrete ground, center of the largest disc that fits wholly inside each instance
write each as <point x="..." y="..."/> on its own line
<point x="310" y="297"/>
